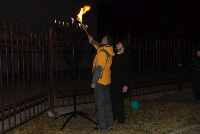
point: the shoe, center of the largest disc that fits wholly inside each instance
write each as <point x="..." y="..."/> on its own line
<point x="109" y="128"/>
<point x="121" y="123"/>
<point x="114" y="119"/>
<point x="101" y="130"/>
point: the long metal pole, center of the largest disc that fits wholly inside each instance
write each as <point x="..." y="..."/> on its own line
<point x="51" y="71"/>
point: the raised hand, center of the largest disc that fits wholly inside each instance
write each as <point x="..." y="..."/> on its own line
<point x="90" y="39"/>
<point x="180" y="65"/>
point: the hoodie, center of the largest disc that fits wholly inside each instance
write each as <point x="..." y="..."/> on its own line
<point x="101" y="64"/>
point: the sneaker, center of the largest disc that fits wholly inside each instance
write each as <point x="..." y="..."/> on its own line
<point x="114" y="119"/>
<point x="110" y="128"/>
<point x="101" y="130"/>
<point x="121" y="123"/>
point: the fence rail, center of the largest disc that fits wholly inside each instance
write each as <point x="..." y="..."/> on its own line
<point x="35" y="74"/>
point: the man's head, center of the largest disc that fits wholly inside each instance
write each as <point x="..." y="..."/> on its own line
<point x="122" y="46"/>
<point x="198" y="53"/>
<point x="107" y="40"/>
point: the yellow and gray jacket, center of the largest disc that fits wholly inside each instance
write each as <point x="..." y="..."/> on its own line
<point x="101" y="64"/>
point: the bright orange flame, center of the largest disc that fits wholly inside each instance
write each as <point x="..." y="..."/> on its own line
<point x="82" y="12"/>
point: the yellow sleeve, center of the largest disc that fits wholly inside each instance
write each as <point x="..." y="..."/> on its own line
<point x="95" y="46"/>
<point x="101" y="58"/>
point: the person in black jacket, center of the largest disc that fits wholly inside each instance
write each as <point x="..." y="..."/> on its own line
<point x="196" y="74"/>
<point x="120" y="79"/>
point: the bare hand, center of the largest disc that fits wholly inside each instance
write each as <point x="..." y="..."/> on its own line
<point x="125" y="89"/>
<point x="90" y="39"/>
<point x="92" y="85"/>
<point x="180" y="65"/>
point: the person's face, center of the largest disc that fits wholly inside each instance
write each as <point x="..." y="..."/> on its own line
<point x="104" y="40"/>
<point x="198" y="53"/>
<point x="119" y="47"/>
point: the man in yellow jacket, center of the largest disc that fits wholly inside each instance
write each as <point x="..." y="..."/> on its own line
<point x="101" y="82"/>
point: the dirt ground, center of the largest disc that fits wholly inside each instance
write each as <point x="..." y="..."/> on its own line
<point x="162" y="113"/>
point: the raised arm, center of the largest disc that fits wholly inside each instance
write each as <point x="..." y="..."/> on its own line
<point x="93" y="42"/>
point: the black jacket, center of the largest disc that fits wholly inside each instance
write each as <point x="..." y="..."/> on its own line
<point x="120" y="76"/>
<point x="196" y="74"/>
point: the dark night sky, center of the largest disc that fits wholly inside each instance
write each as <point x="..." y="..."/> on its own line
<point x="164" y="18"/>
<point x="140" y="17"/>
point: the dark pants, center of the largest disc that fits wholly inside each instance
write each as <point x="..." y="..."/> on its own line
<point x="118" y="112"/>
<point x="103" y="106"/>
<point x="197" y="94"/>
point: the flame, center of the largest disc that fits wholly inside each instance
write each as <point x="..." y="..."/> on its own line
<point x="82" y="12"/>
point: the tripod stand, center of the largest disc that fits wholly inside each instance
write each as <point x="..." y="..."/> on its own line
<point x="74" y="67"/>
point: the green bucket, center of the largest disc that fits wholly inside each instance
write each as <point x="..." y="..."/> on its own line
<point x="134" y="104"/>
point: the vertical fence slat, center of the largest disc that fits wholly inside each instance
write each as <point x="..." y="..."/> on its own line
<point x="28" y="73"/>
<point x="36" y="98"/>
<point x="40" y="71"/>
<point x="2" y="92"/>
<point x="179" y="61"/>
<point x="23" y="78"/>
<point x="33" y="86"/>
<point x="51" y="71"/>
<point x="7" y="75"/>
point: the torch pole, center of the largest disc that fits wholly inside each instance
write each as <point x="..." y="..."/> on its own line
<point x="84" y="28"/>
<point x="189" y="68"/>
<point x="86" y="32"/>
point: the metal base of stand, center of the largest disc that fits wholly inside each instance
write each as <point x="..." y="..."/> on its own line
<point x="74" y="114"/>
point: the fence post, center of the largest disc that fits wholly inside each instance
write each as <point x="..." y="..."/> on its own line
<point x="131" y="86"/>
<point x="179" y="70"/>
<point x="51" y="70"/>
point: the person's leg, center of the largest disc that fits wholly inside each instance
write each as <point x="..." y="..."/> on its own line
<point x="114" y="111"/>
<point x="100" y="106"/>
<point x="112" y="94"/>
<point x="108" y="106"/>
<point x="120" y="113"/>
<point x="197" y="94"/>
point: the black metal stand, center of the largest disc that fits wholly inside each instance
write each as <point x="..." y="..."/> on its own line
<point x="74" y="68"/>
<point x="74" y="113"/>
